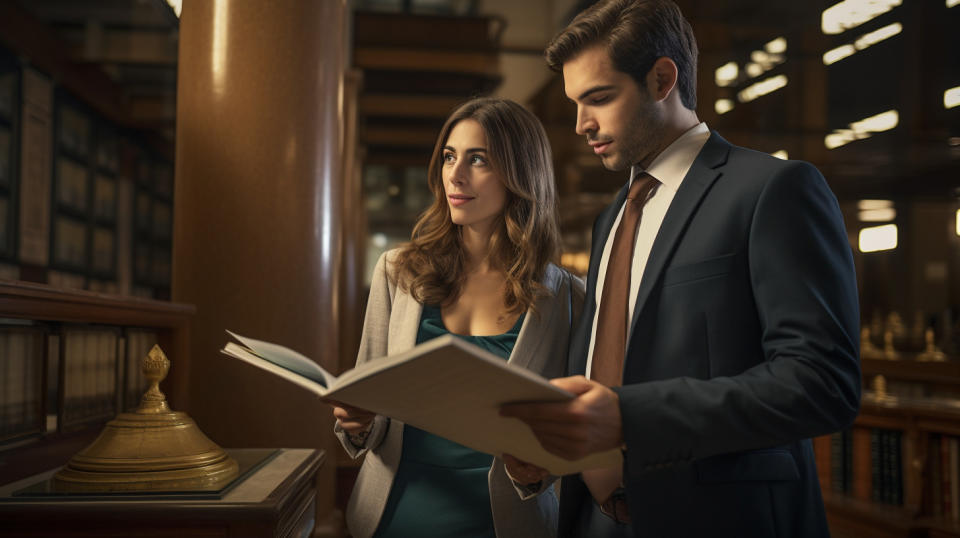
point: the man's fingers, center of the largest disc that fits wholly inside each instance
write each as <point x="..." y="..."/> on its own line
<point x="563" y="447"/>
<point x="576" y="384"/>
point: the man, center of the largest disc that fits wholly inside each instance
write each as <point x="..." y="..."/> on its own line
<point x="719" y="332"/>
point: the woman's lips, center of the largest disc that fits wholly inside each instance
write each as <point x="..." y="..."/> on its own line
<point x="457" y="200"/>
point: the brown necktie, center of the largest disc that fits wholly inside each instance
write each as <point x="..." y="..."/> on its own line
<point x="610" y="340"/>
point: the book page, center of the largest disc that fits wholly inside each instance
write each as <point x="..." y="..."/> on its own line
<point x="287" y="358"/>
<point x="454" y="389"/>
<point x="239" y="352"/>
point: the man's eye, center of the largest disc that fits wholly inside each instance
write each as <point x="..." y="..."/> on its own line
<point x="600" y="100"/>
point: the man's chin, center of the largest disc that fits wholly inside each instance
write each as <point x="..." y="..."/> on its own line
<point x="612" y="163"/>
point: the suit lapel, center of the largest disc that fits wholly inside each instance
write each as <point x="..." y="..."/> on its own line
<point x="580" y="345"/>
<point x="705" y="170"/>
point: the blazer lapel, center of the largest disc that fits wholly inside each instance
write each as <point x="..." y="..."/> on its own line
<point x="580" y="344"/>
<point x="404" y="323"/>
<point x="704" y="171"/>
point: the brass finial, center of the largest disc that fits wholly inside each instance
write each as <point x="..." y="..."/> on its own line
<point x="155" y="367"/>
<point x="879" y="386"/>
<point x="153" y="449"/>
<point x="888" y="350"/>
<point x="931" y="351"/>
<point x="867" y="349"/>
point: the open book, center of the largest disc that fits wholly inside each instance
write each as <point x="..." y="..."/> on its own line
<point x="446" y="386"/>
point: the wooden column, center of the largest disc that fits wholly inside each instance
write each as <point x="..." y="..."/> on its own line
<point x="258" y="220"/>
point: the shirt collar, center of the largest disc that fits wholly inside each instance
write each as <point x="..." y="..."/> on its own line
<point x="673" y="163"/>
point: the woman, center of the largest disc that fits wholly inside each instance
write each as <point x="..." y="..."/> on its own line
<point x="478" y="265"/>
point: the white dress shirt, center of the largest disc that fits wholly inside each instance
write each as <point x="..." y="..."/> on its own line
<point x="669" y="168"/>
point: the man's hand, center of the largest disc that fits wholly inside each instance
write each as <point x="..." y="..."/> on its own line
<point x="352" y="419"/>
<point x="577" y="428"/>
<point x="522" y="472"/>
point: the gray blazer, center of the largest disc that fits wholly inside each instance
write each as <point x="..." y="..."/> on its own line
<point x="391" y="325"/>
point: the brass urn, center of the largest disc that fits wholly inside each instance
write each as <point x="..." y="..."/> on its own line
<point x="151" y="449"/>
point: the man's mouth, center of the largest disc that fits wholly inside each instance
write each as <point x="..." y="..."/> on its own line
<point x="600" y="147"/>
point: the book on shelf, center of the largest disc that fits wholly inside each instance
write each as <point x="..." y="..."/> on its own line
<point x="935" y="507"/>
<point x="946" y="487"/>
<point x="862" y="472"/>
<point x="445" y="386"/>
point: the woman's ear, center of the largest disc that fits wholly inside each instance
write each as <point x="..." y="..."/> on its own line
<point x="662" y="78"/>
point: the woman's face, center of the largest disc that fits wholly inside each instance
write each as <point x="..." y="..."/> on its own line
<point x="475" y="192"/>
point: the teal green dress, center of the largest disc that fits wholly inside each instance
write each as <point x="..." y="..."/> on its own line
<point x="440" y="489"/>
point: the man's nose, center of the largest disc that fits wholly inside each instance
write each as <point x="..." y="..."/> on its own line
<point x="585" y="122"/>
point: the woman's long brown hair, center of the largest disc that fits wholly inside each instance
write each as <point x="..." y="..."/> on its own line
<point x="431" y="267"/>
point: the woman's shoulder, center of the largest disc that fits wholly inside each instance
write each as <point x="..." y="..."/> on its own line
<point x="556" y="277"/>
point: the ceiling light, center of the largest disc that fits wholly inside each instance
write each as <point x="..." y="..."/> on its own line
<point x="778" y="45"/>
<point x="852" y="13"/>
<point x="878" y="238"/>
<point x="862" y="129"/>
<point x="727" y="74"/>
<point x="885" y="214"/>
<point x="839" y="53"/>
<point x="866" y="205"/>
<point x="762" y="88"/>
<point x="722" y="106"/>
<point x="951" y="97"/>
<point x="862" y="42"/>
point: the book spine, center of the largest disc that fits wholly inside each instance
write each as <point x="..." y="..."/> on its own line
<point x="945" y="479"/>
<point x="954" y="486"/>
<point x="898" y="467"/>
<point x="836" y="462"/>
<point x="848" y="461"/>
<point x="936" y="494"/>
<point x="861" y="461"/>
<point x="876" y="469"/>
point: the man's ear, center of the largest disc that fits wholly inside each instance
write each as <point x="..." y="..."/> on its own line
<point x="662" y="78"/>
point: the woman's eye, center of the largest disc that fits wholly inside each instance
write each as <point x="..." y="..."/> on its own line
<point x="449" y="157"/>
<point x="477" y="159"/>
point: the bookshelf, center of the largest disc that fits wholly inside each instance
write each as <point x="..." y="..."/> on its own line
<point x="153" y="226"/>
<point x="71" y="358"/>
<point x="9" y="149"/>
<point x="899" y="473"/>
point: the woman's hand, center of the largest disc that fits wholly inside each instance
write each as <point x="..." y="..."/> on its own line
<point x="352" y="419"/>
<point x="522" y="472"/>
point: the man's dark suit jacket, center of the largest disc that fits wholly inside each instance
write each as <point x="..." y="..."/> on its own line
<point x="743" y="345"/>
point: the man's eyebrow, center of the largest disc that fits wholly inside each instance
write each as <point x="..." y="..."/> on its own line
<point x="594" y="89"/>
<point x="468" y="150"/>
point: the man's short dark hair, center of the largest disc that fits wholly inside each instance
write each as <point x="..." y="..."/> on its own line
<point x="636" y="33"/>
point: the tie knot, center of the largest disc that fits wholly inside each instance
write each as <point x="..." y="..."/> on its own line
<point x="641" y="186"/>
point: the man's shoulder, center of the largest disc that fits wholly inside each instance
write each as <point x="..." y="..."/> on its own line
<point x="763" y="167"/>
